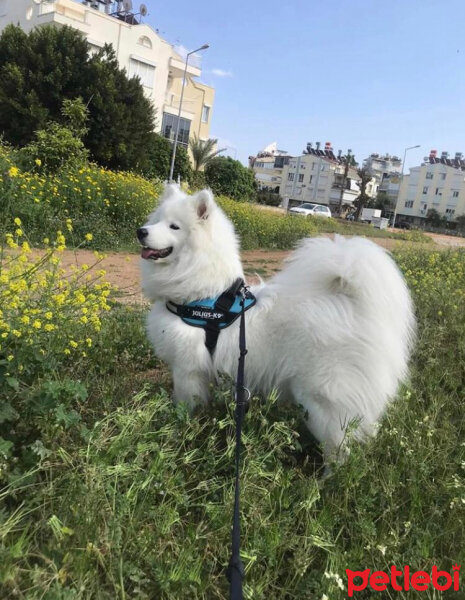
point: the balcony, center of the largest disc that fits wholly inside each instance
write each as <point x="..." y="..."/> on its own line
<point x="178" y="63"/>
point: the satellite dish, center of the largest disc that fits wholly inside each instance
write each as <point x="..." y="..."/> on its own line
<point x="127" y="5"/>
<point x="143" y="10"/>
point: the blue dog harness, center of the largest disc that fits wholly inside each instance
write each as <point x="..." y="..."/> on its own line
<point x="215" y="314"/>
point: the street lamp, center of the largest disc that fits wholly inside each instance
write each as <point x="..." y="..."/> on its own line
<point x="400" y="182"/>
<point x="204" y="47"/>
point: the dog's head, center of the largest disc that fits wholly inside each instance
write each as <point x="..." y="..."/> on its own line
<point x="187" y="243"/>
<point x="168" y="228"/>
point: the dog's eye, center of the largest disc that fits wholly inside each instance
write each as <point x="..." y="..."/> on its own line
<point x="173" y="226"/>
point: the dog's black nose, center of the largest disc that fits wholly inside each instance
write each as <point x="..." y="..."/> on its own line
<point x="142" y="233"/>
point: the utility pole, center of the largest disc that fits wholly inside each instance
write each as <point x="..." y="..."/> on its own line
<point x="343" y="186"/>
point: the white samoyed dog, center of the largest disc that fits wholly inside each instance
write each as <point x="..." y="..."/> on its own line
<point x="333" y="330"/>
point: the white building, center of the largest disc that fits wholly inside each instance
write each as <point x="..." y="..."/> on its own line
<point x="438" y="183"/>
<point x="385" y="170"/>
<point x="319" y="176"/>
<point x="139" y="49"/>
<point x="268" y="167"/>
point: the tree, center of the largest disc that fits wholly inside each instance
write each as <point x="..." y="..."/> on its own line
<point x="229" y="177"/>
<point x="203" y="151"/>
<point x="434" y="218"/>
<point x="158" y="160"/>
<point x="363" y="199"/>
<point x="41" y="69"/>
<point x="461" y="222"/>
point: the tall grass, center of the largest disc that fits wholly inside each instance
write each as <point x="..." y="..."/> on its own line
<point x="140" y="505"/>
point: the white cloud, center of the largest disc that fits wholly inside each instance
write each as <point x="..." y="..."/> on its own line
<point x="221" y="73"/>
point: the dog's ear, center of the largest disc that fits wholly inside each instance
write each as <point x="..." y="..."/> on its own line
<point x="204" y="204"/>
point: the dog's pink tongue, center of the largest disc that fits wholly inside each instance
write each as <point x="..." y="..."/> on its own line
<point x="148" y="253"/>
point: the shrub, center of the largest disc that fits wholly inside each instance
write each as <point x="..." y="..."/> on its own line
<point x="111" y="205"/>
<point x="159" y="153"/>
<point x="268" y="197"/>
<point x="59" y="146"/>
<point x="48" y="319"/>
<point x="229" y="177"/>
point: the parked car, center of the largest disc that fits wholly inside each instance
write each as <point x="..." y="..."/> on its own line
<point x="315" y="210"/>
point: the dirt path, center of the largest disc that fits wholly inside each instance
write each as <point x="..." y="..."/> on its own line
<point x="123" y="269"/>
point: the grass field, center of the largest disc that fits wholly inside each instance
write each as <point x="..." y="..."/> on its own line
<point x="107" y="491"/>
<point x="112" y="492"/>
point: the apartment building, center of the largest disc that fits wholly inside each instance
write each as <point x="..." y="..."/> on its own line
<point x="386" y="172"/>
<point x="438" y="183"/>
<point x="139" y="49"/>
<point x="319" y="176"/>
<point x="268" y="167"/>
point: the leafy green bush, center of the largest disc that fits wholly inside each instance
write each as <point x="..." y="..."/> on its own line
<point x="228" y="177"/>
<point x="48" y="318"/>
<point x="159" y="153"/>
<point x="59" y="146"/>
<point x="268" y="197"/>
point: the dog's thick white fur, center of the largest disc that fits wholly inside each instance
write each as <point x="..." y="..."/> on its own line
<point x="333" y="330"/>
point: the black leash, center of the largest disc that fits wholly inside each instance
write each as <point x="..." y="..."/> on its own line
<point x="235" y="572"/>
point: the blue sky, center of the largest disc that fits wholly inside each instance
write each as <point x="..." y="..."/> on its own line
<point x="370" y="75"/>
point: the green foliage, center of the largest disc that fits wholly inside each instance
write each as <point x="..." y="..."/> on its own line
<point x="363" y="200"/>
<point x="121" y="118"/>
<point x="435" y="219"/>
<point x="268" y="197"/>
<point x="228" y="177"/>
<point x="159" y="153"/>
<point x="109" y="205"/>
<point x="461" y="222"/>
<point x="350" y="228"/>
<point x="262" y="228"/>
<point x="57" y="145"/>
<point x="41" y="69"/>
<point x="203" y="151"/>
<point x="197" y="181"/>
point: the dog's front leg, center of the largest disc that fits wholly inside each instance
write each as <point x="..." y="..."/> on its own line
<point x="190" y="387"/>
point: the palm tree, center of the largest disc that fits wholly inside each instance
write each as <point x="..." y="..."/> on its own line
<point x="203" y="151"/>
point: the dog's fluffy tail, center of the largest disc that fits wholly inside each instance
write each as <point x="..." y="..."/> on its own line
<point x="353" y="280"/>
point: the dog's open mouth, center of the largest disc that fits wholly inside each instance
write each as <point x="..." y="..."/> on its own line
<point x="156" y="254"/>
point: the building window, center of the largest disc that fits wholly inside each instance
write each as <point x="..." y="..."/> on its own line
<point x="313" y="166"/>
<point x="205" y="113"/>
<point x="310" y="180"/>
<point x="301" y="177"/>
<point x="455" y="194"/>
<point x="290" y="177"/>
<point x="450" y="211"/>
<point x="425" y="189"/>
<point x="168" y="128"/>
<point x="438" y="192"/>
<point x="145" y="41"/>
<point x="429" y="175"/>
<point x="409" y="204"/>
<point x="144" y="71"/>
<point x="443" y="176"/>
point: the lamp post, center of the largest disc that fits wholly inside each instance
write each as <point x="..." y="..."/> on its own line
<point x="173" y="156"/>
<point x="400" y="182"/>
